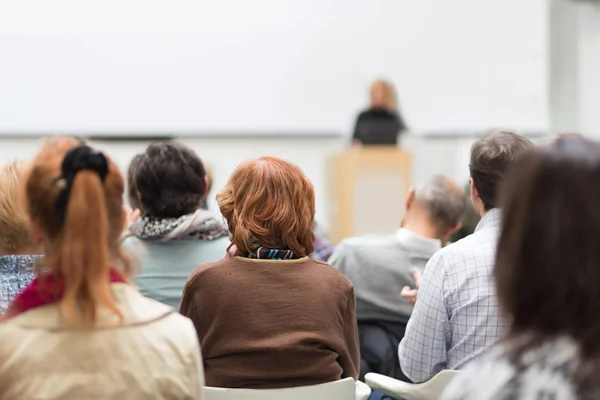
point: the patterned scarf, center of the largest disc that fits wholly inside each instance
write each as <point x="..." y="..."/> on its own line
<point x="265" y="254"/>
<point x="201" y="225"/>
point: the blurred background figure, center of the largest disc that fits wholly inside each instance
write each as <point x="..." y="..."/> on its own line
<point x="548" y="281"/>
<point x="80" y="329"/>
<point x="175" y="234"/>
<point x="18" y="253"/>
<point x="381" y="123"/>
<point x="379" y="266"/>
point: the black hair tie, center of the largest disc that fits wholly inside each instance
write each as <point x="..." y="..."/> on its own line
<point x="77" y="159"/>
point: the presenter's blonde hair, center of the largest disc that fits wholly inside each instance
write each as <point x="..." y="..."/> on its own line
<point x="391" y="102"/>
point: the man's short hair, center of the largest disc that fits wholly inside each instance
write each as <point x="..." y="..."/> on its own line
<point x="445" y="201"/>
<point x="170" y="180"/>
<point x="490" y="158"/>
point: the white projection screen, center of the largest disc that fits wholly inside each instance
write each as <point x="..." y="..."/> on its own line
<point x="268" y="66"/>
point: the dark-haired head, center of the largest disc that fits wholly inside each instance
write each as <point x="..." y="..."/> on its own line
<point x="132" y="193"/>
<point x="490" y="158"/>
<point x="170" y="180"/>
<point x="548" y="260"/>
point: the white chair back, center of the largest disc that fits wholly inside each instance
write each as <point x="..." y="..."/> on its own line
<point x="430" y="390"/>
<point x="338" y="390"/>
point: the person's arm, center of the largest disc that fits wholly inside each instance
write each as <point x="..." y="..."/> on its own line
<point x="349" y="358"/>
<point x="423" y="350"/>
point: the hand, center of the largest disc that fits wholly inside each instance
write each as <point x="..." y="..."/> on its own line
<point x="411" y="294"/>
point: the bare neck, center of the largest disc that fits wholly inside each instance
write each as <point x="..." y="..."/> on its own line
<point x="421" y="226"/>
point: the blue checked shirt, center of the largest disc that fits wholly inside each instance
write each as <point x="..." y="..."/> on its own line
<point x="456" y="316"/>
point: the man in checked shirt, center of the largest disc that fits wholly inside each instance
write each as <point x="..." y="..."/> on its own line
<point x="456" y="315"/>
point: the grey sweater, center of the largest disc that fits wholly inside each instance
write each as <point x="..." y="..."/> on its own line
<point x="379" y="267"/>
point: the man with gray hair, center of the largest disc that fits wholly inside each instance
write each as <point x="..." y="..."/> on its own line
<point x="380" y="266"/>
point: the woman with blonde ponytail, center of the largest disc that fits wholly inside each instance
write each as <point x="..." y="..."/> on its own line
<point x="80" y="329"/>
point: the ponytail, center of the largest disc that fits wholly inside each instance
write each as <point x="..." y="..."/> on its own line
<point x="84" y="253"/>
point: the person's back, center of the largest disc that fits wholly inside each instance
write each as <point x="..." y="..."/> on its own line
<point x="165" y="267"/>
<point x="152" y="353"/>
<point x="379" y="267"/>
<point x="79" y="329"/>
<point x="456" y="316"/>
<point x="175" y="234"/>
<point x="271" y="323"/>
<point x="269" y="316"/>
<point x="546" y="274"/>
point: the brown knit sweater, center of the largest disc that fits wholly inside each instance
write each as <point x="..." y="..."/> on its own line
<point x="273" y="323"/>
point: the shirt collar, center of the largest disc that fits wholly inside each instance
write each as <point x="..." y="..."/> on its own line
<point x="419" y="243"/>
<point x="490" y="219"/>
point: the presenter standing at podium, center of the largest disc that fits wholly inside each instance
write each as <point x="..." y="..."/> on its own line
<point x="381" y="124"/>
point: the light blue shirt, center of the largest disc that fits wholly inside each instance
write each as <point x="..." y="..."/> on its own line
<point x="165" y="267"/>
<point x="456" y="316"/>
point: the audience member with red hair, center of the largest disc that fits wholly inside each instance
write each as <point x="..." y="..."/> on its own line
<point x="270" y="317"/>
<point x="80" y="330"/>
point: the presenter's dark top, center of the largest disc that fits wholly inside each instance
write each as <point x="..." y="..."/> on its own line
<point x="378" y="127"/>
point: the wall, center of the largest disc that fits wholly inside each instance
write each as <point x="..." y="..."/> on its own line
<point x="240" y="66"/>
<point x="574" y="65"/>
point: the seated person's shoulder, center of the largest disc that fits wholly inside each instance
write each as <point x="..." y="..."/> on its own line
<point x="365" y="243"/>
<point x="329" y="274"/>
<point x="207" y="268"/>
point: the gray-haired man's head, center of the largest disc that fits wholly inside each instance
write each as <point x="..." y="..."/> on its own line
<point x="441" y="202"/>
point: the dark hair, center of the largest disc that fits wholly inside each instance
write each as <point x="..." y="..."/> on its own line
<point x="132" y="196"/>
<point x="170" y="180"/>
<point x="548" y="260"/>
<point x="490" y="157"/>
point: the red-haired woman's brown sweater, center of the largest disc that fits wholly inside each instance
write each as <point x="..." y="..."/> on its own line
<point x="273" y="323"/>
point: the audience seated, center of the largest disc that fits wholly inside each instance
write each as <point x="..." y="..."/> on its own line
<point x="80" y="330"/>
<point x="18" y="254"/>
<point x="270" y="317"/>
<point x="379" y="267"/>
<point x="176" y="234"/>
<point x="548" y="278"/>
<point x="456" y="315"/>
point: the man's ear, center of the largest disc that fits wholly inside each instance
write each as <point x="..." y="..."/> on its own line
<point x="473" y="193"/>
<point x="410" y="198"/>
<point x="206" y="182"/>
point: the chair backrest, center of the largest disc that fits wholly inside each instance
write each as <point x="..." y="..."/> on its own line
<point x="430" y="390"/>
<point x="338" y="390"/>
<point x="433" y="388"/>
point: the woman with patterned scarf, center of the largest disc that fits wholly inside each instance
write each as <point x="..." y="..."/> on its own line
<point x="174" y="234"/>
<point x="269" y="316"/>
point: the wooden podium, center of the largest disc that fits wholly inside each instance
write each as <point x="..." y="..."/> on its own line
<point x="367" y="191"/>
